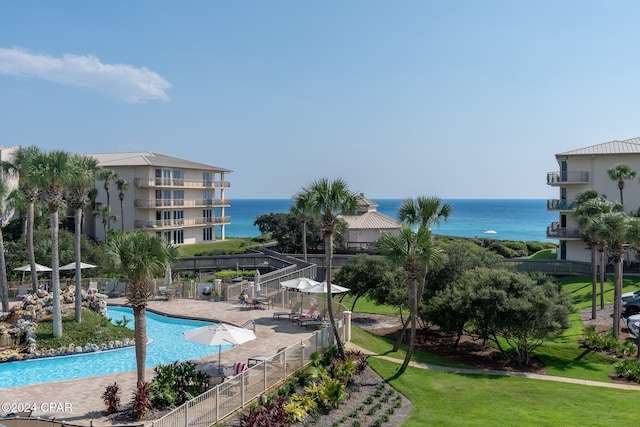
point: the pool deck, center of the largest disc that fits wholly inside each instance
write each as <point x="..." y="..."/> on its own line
<point x="80" y="402"/>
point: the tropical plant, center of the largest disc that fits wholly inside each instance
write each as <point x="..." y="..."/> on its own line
<point x="22" y="164"/>
<point x="4" y="286"/>
<point x="83" y="171"/>
<point x="301" y="208"/>
<point x="328" y="199"/>
<point x="107" y="175"/>
<point x="140" y="257"/>
<point x="177" y="383"/>
<point x="111" y="398"/>
<point x="51" y="172"/>
<point x="141" y="403"/>
<point x="104" y="212"/>
<point x="621" y="173"/>
<point x="122" y="185"/>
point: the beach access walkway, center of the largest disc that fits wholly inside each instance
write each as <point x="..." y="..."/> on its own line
<point x="80" y="401"/>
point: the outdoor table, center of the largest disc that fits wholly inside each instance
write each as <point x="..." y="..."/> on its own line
<point x="257" y="359"/>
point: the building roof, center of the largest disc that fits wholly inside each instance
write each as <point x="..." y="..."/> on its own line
<point x="147" y="158"/>
<point x="366" y="205"/>
<point x="628" y="146"/>
<point x="371" y="220"/>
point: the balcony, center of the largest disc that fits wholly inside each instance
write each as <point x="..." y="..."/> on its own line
<point x="181" y="223"/>
<point x="179" y="183"/>
<point x="554" y="231"/>
<point x="560" y="205"/>
<point x="567" y="177"/>
<point x="191" y="203"/>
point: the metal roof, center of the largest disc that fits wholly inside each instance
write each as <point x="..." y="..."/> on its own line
<point x="628" y="146"/>
<point x="371" y="220"/>
<point x="147" y="158"/>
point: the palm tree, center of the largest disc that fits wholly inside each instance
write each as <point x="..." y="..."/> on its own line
<point x="122" y="185"/>
<point x="84" y="171"/>
<point x="104" y="212"/>
<point x="621" y="173"/>
<point x="21" y="164"/>
<point x="139" y="257"/>
<point x="300" y="208"/>
<point x="587" y="206"/>
<point x="4" y="289"/>
<point x="52" y="173"/>
<point x="107" y="175"/>
<point x="327" y="199"/>
<point x="614" y="229"/>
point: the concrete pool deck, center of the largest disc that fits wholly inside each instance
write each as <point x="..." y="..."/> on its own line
<point x="80" y="401"/>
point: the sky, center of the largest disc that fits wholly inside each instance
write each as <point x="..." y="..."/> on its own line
<point x="453" y="99"/>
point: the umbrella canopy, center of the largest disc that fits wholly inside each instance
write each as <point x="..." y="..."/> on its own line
<point x="27" y="268"/>
<point x="491" y="232"/>
<point x="72" y="266"/>
<point x="321" y="288"/>
<point x="256" y="280"/>
<point x="301" y="283"/>
<point x="167" y="276"/>
<point x="219" y="334"/>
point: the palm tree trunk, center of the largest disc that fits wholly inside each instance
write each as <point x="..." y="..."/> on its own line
<point x="304" y="240"/>
<point x="32" y="257"/>
<point x="78" y="233"/>
<point x="328" y="251"/>
<point x="140" y="326"/>
<point x="602" y="271"/>
<point x="617" y="301"/>
<point x="4" y="288"/>
<point x="55" y="275"/>
<point x="594" y="281"/>
<point x="403" y="331"/>
<point x="413" y="309"/>
<point x="121" y="215"/>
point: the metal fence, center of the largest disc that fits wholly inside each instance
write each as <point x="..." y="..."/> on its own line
<point x="234" y="393"/>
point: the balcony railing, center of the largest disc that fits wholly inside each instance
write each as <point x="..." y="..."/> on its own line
<point x="182" y="222"/>
<point x="190" y="203"/>
<point x="179" y="182"/>
<point x="567" y="177"/>
<point x="554" y="231"/>
<point x="560" y="205"/>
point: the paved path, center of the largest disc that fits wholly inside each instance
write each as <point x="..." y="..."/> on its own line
<point x="79" y="401"/>
<point x="354" y="347"/>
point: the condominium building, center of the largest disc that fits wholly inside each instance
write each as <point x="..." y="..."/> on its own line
<point x="181" y="200"/>
<point x="583" y="169"/>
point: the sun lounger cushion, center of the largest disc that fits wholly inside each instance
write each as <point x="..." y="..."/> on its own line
<point x="239" y="367"/>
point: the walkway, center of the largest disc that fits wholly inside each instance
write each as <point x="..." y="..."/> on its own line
<point x="80" y="402"/>
<point x="353" y="347"/>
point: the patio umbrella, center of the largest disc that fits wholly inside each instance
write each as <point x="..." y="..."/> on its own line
<point x="39" y="268"/>
<point x="321" y="288"/>
<point x="491" y="232"/>
<point x="220" y="334"/>
<point x="167" y="276"/>
<point x="300" y="283"/>
<point x="72" y="266"/>
<point x="256" y="280"/>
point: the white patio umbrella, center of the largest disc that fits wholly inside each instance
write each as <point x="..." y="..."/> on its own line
<point x="321" y="288"/>
<point x="220" y="334"/>
<point x="256" y="281"/>
<point x="300" y="283"/>
<point x="167" y="276"/>
<point x="39" y="268"/>
<point x="491" y="232"/>
<point x="72" y="266"/>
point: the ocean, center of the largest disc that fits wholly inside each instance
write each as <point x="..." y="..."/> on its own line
<point x="511" y="219"/>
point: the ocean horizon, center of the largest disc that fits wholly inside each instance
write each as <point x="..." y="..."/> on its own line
<point x="511" y="219"/>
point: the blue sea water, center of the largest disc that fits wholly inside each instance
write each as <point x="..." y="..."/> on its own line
<point x="511" y="219"/>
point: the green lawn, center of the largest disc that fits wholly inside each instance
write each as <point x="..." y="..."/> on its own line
<point x="224" y="246"/>
<point x="445" y="399"/>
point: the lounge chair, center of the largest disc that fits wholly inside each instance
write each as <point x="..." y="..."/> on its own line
<point x="294" y="310"/>
<point x="307" y="315"/>
<point x="305" y="320"/>
<point x="260" y="358"/>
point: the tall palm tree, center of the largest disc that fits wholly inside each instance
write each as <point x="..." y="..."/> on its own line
<point x="21" y="164"/>
<point x="587" y="207"/>
<point x="104" y="212"/>
<point x="300" y="208"/>
<point x="52" y="173"/>
<point x="139" y="257"/>
<point x="83" y="177"/>
<point x="107" y="175"/>
<point x="4" y="288"/>
<point x="614" y="229"/>
<point x="122" y="185"/>
<point x="621" y="173"/>
<point x="328" y="199"/>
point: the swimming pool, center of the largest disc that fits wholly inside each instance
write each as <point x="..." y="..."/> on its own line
<point x="168" y="346"/>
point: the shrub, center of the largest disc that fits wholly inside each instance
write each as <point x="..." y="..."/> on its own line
<point x="269" y="415"/>
<point x="628" y="369"/>
<point x="336" y="391"/>
<point x="111" y="398"/>
<point x="343" y="370"/>
<point x="141" y="402"/>
<point x="177" y="383"/>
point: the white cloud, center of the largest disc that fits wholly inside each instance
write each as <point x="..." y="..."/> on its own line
<point x="121" y="81"/>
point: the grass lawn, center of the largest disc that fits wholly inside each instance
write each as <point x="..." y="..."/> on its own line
<point x="441" y="398"/>
<point x="224" y="246"/>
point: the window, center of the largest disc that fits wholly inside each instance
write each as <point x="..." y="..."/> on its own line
<point x="207" y="195"/>
<point x="178" y="197"/>
<point x="206" y="215"/>
<point x="207" y="178"/>
<point x="166" y="217"/>
<point x="178" y="236"/>
<point x="178" y="177"/>
<point x="207" y="234"/>
<point x="167" y="236"/>
<point x="178" y="217"/>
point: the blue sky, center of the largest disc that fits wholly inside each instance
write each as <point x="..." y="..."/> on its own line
<point x="455" y="99"/>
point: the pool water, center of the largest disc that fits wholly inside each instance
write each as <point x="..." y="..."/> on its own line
<point x="167" y="347"/>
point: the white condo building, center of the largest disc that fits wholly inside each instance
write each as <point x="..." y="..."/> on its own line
<point x="583" y="169"/>
<point x="178" y="199"/>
